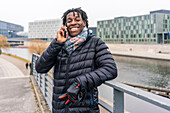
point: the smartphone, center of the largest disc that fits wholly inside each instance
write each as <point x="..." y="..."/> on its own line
<point x="65" y="31"/>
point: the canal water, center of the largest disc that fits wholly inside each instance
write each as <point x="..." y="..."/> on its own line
<point x="21" y="52"/>
<point x="147" y="72"/>
<point x="131" y="70"/>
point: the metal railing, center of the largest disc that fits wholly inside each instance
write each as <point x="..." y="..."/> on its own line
<point x="45" y="82"/>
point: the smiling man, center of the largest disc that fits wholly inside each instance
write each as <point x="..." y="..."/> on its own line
<point x="81" y="63"/>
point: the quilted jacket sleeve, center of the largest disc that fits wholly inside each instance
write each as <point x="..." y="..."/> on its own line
<point x="106" y="68"/>
<point x="48" y="58"/>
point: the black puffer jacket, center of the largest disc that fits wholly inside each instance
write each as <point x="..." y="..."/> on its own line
<point x="91" y="64"/>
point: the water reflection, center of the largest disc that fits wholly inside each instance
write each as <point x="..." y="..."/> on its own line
<point x="143" y="71"/>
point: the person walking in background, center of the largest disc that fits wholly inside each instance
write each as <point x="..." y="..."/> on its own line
<point x="81" y="61"/>
<point x="30" y="65"/>
<point x="26" y="65"/>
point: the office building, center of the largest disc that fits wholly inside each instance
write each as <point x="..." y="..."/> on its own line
<point x="151" y="28"/>
<point x="9" y="30"/>
<point x="44" y="29"/>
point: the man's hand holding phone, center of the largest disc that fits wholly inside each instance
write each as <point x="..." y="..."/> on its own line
<point x="60" y="34"/>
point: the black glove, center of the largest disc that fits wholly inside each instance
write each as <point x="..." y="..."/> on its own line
<point x="72" y="93"/>
<point x="73" y="90"/>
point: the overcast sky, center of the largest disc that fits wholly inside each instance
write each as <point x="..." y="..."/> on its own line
<point x="24" y="11"/>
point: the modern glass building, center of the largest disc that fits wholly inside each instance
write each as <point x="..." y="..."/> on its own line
<point x="151" y="28"/>
<point x="9" y="30"/>
<point x="44" y="29"/>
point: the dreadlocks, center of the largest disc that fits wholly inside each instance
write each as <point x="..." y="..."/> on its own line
<point x="79" y="11"/>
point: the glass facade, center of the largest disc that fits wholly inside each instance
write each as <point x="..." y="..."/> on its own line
<point x="9" y="30"/>
<point x="152" y="28"/>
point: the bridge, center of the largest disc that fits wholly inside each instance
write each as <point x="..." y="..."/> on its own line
<point x="16" y="94"/>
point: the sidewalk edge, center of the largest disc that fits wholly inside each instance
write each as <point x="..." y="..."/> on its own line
<point x="41" y="101"/>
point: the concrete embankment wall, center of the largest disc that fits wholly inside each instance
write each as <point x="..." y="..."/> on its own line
<point x="150" y="48"/>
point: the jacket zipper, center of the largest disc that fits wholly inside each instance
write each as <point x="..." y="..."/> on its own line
<point x="91" y="93"/>
<point x="68" y="64"/>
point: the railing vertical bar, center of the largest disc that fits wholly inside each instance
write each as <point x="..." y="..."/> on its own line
<point x="118" y="100"/>
<point x="31" y="70"/>
<point x="45" y="81"/>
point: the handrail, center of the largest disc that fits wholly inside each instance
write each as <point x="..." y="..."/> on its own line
<point x="159" y="91"/>
<point x="143" y="95"/>
<point x="45" y="82"/>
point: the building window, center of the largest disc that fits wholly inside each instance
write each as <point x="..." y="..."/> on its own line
<point x="137" y="31"/>
<point x="134" y="27"/>
<point x="142" y="26"/>
<point x="134" y="36"/>
<point x="137" y="23"/>
<point x="148" y="26"/>
<point x="148" y="35"/>
<point x="134" y="19"/>
<point x="126" y="36"/>
<point x="117" y="36"/>
<point x="154" y="35"/>
<point x="140" y="18"/>
<point x="154" y="20"/>
<point x="145" y="17"/>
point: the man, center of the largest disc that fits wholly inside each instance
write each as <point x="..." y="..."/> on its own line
<point x="26" y="65"/>
<point x="81" y="63"/>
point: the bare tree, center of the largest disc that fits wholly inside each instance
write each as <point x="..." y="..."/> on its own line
<point x="37" y="46"/>
<point x="4" y="42"/>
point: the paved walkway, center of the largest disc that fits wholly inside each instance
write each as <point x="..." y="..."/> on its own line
<point x="8" y="69"/>
<point x="123" y="51"/>
<point x="17" y="63"/>
<point x="147" y="55"/>
<point x="16" y="95"/>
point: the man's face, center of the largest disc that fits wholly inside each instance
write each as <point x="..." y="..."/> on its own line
<point x="75" y="24"/>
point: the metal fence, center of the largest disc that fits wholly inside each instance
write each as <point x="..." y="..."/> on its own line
<point x="45" y="82"/>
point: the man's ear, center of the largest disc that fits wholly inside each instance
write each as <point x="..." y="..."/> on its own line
<point x="84" y="23"/>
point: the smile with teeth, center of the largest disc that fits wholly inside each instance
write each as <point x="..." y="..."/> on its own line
<point x="74" y="29"/>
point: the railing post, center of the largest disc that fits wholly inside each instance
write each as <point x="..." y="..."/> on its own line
<point x="31" y="69"/>
<point x="118" y="100"/>
<point x="45" y="84"/>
